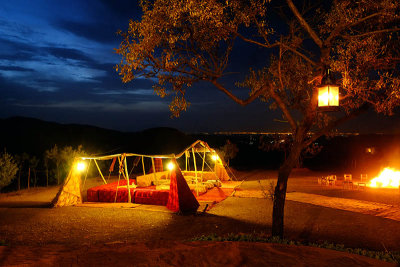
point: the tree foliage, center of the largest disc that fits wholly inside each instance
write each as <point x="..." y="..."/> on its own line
<point x="228" y="151"/>
<point x="183" y="42"/>
<point x="8" y="169"/>
<point x="59" y="161"/>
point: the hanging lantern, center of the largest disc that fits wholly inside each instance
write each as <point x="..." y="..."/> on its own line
<point x="328" y="93"/>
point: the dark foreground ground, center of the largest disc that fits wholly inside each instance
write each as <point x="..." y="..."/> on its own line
<point x="28" y="228"/>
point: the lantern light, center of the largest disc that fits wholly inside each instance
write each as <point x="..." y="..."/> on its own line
<point x="170" y="166"/>
<point x="80" y="166"/>
<point x="215" y="157"/>
<point x="328" y="93"/>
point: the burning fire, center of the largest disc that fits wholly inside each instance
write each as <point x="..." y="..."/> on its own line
<point x="387" y="178"/>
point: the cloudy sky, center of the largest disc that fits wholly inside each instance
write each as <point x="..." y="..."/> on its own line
<point x="57" y="63"/>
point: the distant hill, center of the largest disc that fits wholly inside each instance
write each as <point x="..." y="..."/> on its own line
<point x="34" y="136"/>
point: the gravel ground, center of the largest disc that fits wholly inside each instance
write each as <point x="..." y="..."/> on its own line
<point x="25" y="219"/>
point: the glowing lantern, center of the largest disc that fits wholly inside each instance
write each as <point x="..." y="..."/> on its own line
<point x="80" y="166"/>
<point x="215" y="157"/>
<point x="170" y="166"/>
<point x="328" y="93"/>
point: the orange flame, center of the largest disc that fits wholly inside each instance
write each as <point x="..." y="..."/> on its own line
<point x="389" y="178"/>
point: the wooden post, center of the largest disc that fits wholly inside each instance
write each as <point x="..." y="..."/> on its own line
<point x="104" y="180"/>
<point x="154" y="171"/>
<point x="202" y="166"/>
<point x="186" y="161"/>
<point x="144" y="170"/>
<point x="195" y="171"/>
<point x="127" y="180"/>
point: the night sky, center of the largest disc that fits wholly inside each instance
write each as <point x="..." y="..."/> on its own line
<point x="57" y="63"/>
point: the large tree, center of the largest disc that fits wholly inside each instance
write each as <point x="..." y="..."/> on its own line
<point x="187" y="41"/>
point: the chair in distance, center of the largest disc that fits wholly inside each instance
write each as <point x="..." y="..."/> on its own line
<point x="348" y="181"/>
<point x="331" y="180"/>
<point x="327" y="180"/>
<point x="363" y="181"/>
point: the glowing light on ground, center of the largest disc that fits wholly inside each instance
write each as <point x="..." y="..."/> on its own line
<point x="388" y="178"/>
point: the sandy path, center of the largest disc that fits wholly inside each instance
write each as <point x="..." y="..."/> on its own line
<point x="365" y="207"/>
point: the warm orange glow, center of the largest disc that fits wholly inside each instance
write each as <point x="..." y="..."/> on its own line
<point x="170" y="166"/>
<point x="388" y="178"/>
<point x="328" y="96"/>
<point x="215" y="157"/>
<point x="80" y="166"/>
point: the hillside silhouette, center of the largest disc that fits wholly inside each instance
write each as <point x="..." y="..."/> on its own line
<point x="34" y="136"/>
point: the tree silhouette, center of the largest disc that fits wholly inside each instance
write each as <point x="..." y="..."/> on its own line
<point x="183" y="42"/>
<point x="8" y="169"/>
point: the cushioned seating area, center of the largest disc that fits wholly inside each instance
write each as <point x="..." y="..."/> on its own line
<point x="108" y="193"/>
<point x="151" y="196"/>
<point x="93" y="194"/>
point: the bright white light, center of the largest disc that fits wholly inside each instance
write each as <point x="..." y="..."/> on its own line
<point x="215" y="157"/>
<point x="170" y="166"/>
<point x="80" y="166"/>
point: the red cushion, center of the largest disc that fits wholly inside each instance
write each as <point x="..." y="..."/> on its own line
<point x="151" y="197"/>
<point x="92" y="195"/>
<point x="106" y="195"/>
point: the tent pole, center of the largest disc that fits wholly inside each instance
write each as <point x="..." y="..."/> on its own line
<point x="144" y="171"/>
<point x="100" y="171"/>
<point x="87" y="171"/>
<point x="202" y="166"/>
<point x="154" y="171"/>
<point x="195" y="171"/>
<point x="119" y="177"/>
<point x="186" y="160"/>
<point x="127" y="180"/>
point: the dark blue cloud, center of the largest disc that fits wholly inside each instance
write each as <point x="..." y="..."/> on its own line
<point x="57" y="63"/>
<point x="97" y="31"/>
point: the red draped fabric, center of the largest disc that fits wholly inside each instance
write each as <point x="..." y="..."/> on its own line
<point x="158" y="165"/>
<point x="180" y="197"/>
<point x="113" y="164"/>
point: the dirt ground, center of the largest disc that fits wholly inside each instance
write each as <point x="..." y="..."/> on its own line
<point x="90" y="235"/>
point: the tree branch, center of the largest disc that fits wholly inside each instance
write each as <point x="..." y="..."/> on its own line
<point x="335" y="123"/>
<point x="283" y="107"/>
<point x="241" y="102"/>
<point x="371" y="33"/>
<point x="341" y="28"/>
<point x="362" y="20"/>
<point x="275" y="45"/>
<point x="298" y="53"/>
<point x="304" y="23"/>
<point x="255" y="42"/>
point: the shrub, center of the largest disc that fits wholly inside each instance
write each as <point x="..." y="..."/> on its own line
<point x="8" y="169"/>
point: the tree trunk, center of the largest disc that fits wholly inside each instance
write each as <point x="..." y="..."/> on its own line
<point x="47" y="177"/>
<point x="280" y="189"/>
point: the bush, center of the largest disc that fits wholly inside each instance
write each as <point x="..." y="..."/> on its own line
<point x="8" y="169"/>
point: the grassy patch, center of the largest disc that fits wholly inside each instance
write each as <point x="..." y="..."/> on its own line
<point x="389" y="256"/>
<point x="3" y="242"/>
